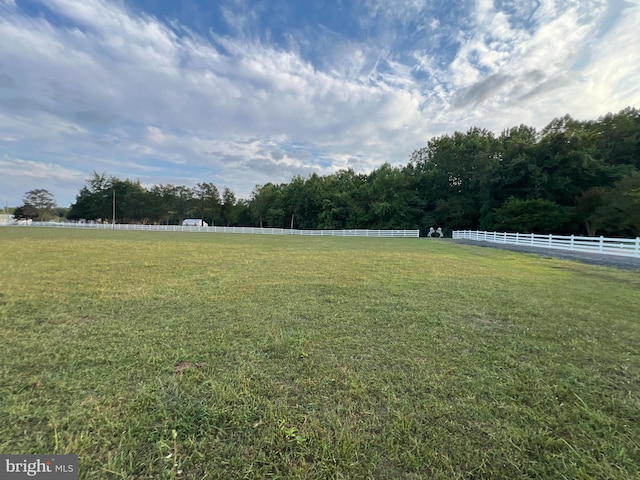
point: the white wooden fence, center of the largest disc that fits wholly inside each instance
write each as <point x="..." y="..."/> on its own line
<point x="602" y="245"/>
<point x="251" y="230"/>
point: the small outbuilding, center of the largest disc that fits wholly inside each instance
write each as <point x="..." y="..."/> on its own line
<point x="194" y="222"/>
<point x="6" y="219"/>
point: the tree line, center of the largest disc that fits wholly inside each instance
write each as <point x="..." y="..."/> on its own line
<point x="102" y="196"/>
<point x="572" y="176"/>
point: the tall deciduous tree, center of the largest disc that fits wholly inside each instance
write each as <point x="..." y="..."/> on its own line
<point x="531" y="216"/>
<point x="95" y="199"/>
<point x="346" y="201"/>
<point x="588" y="207"/>
<point x="455" y="170"/>
<point x="618" y="137"/>
<point x="228" y="207"/>
<point x="391" y="202"/>
<point x="261" y="201"/>
<point x="26" y="211"/>
<point x="210" y="205"/>
<point x="620" y="212"/>
<point x="38" y="204"/>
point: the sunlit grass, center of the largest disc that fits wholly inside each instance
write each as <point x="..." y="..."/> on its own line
<point x="314" y="358"/>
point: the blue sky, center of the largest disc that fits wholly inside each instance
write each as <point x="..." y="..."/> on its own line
<point x="242" y="92"/>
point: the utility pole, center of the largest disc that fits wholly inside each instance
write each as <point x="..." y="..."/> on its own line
<point x="113" y="213"/>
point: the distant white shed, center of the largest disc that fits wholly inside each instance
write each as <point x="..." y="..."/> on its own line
<point x="194" y="222"/>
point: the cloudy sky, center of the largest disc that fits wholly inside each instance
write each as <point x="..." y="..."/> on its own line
<point x="245" y="92"/>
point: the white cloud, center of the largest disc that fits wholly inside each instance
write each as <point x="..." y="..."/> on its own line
<point x="112" y="89"/>
<point x="8" y="4"/>
<point x="532" y="73"/>
<point x="29" y="168"/>
<point x="26" y="175"/>
<point x="402" y="11"/>
<point x="610" y="79"/>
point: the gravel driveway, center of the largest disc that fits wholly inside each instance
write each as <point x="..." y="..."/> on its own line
<point x="628" y="263"/>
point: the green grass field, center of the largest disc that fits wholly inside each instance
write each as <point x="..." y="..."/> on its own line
<point x="161" y="355"/>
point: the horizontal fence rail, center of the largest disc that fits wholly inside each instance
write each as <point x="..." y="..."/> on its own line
<point x="601" y="245"/>
<point x="249" y="230"/>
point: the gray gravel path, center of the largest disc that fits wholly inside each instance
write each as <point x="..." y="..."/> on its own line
<point x="628" y="263"/>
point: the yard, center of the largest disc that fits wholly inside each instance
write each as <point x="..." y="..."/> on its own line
<point x="192" y="356"/>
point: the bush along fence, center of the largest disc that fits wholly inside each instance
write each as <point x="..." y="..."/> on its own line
<point x="602" y="245"/>
<point x="249" y="230"/>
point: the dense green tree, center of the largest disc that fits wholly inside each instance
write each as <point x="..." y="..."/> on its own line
<point x="345" y="202"/>
<point x="620" y="212"/>
<point x="391" y="200"/>
<point x="566" y="155"/>
<point x="243" y="213"/>
<point x="295" y="205"/>
<point x="229" y="202"/>
<point x="210" y="204"/>
<point x="184" y="203"/>
<point x="95" y="199"/>
<point x="531" y="216"/>
<point x="307" y="201"/>
<point x="40" y="198"/>
<point x="261" y="201"/>
<point x="456" y="170"/>
<point x="131" y="201"/>
<point x="587" y="209"/>
<point x="515" y="174"/>
<point x="26" y="212"/>
<point x="618" y="137"/>
<point x="38" y="204"/>
<point x="161" y="201"/>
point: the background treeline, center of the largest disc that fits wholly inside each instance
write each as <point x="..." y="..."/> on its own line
<point x="570" y="177"/>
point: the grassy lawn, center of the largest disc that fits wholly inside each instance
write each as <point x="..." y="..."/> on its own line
<point x="161" y="355"/>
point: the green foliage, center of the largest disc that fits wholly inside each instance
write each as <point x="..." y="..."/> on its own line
<point x="229" y="214"/>
<point x="618" y="137"/>
<point x="162" y="204"/>
<point x="262" y="199"/>
<point x="588" y="209"/>
<point x="530" y="216"/>
<point x="26" y="211"/>
<point x="210" y="202"/>
<point x="40" y="198"/>
<point x="463" y="180"/>
<point x="38" y="204"/>
<point x="390" y="199"/>
<point x="455" y="171"/>
<point x="343" y="205"/>
<point x="620" y="210"/>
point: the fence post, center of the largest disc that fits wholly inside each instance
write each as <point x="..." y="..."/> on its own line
<point x="601" y="246"/>
<point x="550" y="239"/>
<point x="572" y="238"/>
<point x="637" y="249"/>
